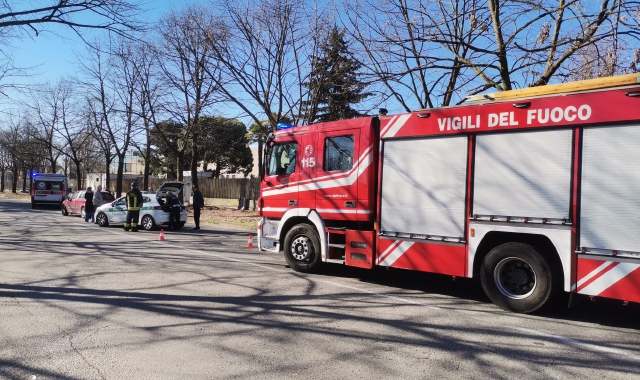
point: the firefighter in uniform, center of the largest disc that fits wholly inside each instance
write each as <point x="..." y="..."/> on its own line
<point x="134" y="203"/>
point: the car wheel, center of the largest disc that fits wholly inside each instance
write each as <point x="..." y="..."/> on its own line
<point x="302" y="248"/>
<point x="102" y="219"/>
<point x="64" y="211"/>
<point x="517" y="277"/>
<point x="180" y="225"/>
<point x="148" y="223"/>
<point x="82" y="213"/>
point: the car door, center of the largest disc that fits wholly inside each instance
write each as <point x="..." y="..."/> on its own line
<point x="79" y="202"/>
<point x="118" y="211"/>
<point x="74" y="202"/>
<point x="69" y="203"/>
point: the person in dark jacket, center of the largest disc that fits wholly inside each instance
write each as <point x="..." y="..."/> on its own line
<point x="134" y="203"/>
<point x="89" y="209"/>
<point x="173" y="205"/>
<point x="198" y="204"/>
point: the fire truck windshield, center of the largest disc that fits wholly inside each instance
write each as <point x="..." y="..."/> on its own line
<point x="281" y="158"/>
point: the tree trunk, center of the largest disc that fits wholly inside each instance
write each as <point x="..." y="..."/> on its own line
<point x="194" y="161"/>
<point x="24" y="180"/>
<point x="179" y="174"/>
<point x="78" y="176"/>
<point x="120" y="175"/>
<point x="2" y="182"/>
<point x="216" y="172"/>
<point x="14" y="180"/>
<point x="260" y="157"/>
<point x="147" y="163"/>
<point x="108" y="173"/>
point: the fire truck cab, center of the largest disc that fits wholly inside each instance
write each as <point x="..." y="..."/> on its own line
<point x="534" y="191"/>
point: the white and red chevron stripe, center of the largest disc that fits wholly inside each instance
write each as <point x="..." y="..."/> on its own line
<point x="422" y="256"/>
<point x="326" y="182"/>
<point x="394" y="125"/>
<point x="612" y="278"/>
<point x="393" y="253"/>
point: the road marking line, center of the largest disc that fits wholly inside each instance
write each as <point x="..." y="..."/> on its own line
<point x="574" y="342"/>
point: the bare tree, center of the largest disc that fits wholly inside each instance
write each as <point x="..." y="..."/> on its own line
<point x="125" y="82"/>
<point x="72" y="128"/>
<point x="100" y="135"/>
<point x="20" y="19"/>
<point x="118" y="16"/>
<point x="13" y="141"/>
<point x="110" y="81"/>
<point x="44" y="106"/>
<point x="149" y="97"/>
<point x="264" y="59"/>
<point x="423" y="52"/>
<point x="5" y="159"/>
<point x="190" y="73"/>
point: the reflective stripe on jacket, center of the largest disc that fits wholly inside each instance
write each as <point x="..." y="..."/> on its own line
<point x="134" y="200"/>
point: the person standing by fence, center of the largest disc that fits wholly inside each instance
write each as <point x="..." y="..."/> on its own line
<point x="198" y="204"/>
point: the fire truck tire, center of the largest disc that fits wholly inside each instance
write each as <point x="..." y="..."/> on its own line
<point x="33" y="205"/>
<point x="302" y="249"/>
<point x="516" y="277"/>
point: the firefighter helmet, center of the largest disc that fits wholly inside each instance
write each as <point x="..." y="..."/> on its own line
<point x="134" y="185"/>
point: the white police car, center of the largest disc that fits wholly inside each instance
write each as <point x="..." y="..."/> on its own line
<point x="151" y="213"/>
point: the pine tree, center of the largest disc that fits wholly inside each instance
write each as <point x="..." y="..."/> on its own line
<point x="334" y="87"/>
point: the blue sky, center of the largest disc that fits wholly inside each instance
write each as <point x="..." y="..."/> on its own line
<point x="51" y="55"/>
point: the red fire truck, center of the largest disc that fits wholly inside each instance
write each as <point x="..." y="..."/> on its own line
<point x="534" y="191"/>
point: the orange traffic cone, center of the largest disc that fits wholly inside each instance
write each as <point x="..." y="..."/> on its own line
<point x="250" y="243"/>
<point x="161" y="237"/>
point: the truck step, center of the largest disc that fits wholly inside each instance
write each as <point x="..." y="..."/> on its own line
<point x="334" y="261"/>
<point x="337" y="245"/>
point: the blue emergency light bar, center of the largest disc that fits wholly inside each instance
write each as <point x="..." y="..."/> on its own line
<point x="36" y="174"/>
<point x="281" y="126"/>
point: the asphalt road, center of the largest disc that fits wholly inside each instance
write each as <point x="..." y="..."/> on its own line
<point x="82" y="302"/>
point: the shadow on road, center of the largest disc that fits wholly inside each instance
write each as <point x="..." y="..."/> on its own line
<point x="603" y="311"/>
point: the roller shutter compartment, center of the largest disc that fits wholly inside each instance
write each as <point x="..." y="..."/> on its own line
<point x="610" y="196"/>
<point x="523" y="174"/>
<point x="423" y="186"/>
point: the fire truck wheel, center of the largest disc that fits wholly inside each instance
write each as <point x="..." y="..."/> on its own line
<point x="33" y="205"/>
<point x="516" y="277"/>
<point x="302" y="249"/>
